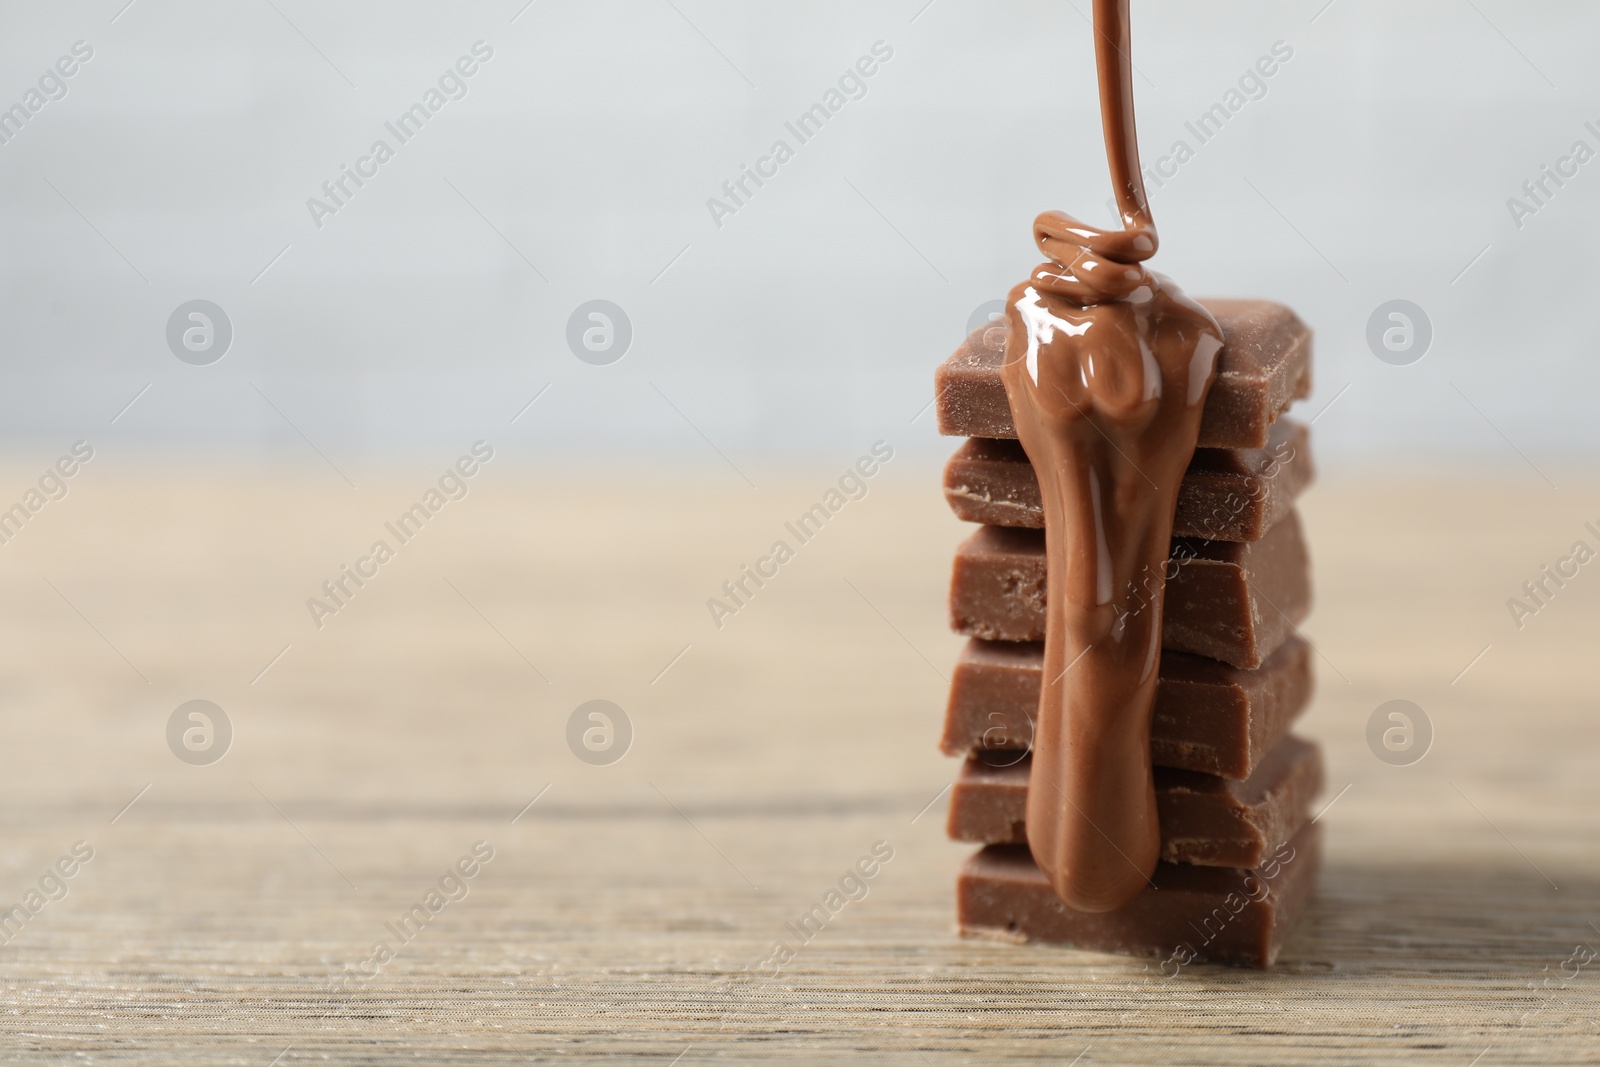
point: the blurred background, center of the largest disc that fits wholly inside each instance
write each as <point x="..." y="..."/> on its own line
<point x="1374" y="164"/>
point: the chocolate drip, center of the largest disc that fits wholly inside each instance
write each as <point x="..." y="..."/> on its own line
<point x="1107" y="369"/>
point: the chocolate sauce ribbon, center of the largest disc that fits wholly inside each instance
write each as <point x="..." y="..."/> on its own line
<point x="1089" y="265"/>
<point x="1107" y="367"/>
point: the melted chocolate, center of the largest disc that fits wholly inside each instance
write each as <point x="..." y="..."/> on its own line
<point x="1107" y="369"/>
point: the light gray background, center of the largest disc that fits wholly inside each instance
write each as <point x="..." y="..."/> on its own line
<point x="1377" y="166"/>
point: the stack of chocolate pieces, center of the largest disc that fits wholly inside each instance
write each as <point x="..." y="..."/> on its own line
<point x="1234" y="788"/>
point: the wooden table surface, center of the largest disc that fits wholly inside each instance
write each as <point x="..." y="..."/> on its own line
<point x="226" y="905"/>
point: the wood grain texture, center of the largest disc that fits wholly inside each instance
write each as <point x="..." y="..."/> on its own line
<point x="619" y="912"/>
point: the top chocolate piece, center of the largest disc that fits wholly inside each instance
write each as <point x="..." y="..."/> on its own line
<point x="1265" y="365"/>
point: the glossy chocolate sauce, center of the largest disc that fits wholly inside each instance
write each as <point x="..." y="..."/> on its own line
<point x="1107" y="368"/>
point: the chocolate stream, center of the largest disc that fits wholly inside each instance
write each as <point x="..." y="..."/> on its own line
<point x="1107" y="369"/>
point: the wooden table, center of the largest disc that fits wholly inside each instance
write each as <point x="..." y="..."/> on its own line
<point x="224" y="902"/>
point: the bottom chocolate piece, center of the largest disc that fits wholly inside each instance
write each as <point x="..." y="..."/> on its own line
<point x="1193" y="915"/>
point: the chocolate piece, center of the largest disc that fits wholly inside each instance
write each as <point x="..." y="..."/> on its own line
<point x="1232" y="601"/>
<point x="1208" y="717"/>
<point x="1228" y="494"/>
<point x="1264" y="366"/>
<point x="1204" y="819"/>
<point x="1193" y="915"/>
